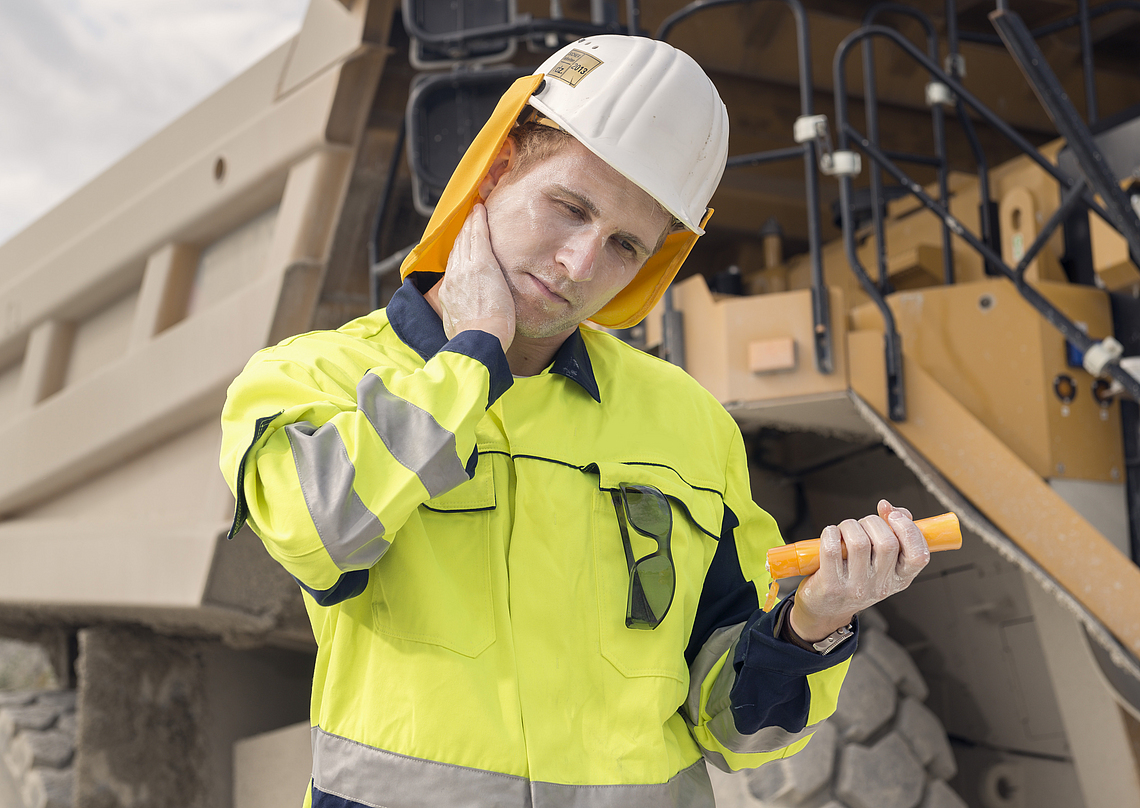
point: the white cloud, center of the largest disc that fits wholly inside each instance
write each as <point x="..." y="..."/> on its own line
<point x="88" y="80"/>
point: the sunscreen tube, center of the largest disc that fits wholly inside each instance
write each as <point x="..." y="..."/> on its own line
<point x="802" y="558"/>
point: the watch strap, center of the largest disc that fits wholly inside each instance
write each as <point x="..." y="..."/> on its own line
<point x="784" y="631"/>
<point x="832" y="640"/>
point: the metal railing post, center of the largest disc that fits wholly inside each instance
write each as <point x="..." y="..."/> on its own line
<point x="821" y="315"/>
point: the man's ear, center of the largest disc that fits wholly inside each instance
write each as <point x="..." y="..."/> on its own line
<point x="500" y="166"/>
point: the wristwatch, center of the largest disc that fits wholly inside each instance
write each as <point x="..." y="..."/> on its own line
<point x="822" y="647"/>
<point x="832" y="640"/>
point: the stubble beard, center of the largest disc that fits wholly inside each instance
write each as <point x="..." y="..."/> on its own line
<point x="536" y="318"/>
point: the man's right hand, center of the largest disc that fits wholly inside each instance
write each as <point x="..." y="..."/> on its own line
<point x="885" y="553"/>
<point x="474" y="294"/>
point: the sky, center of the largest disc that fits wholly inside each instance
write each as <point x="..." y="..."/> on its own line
<point x="85" y="81"/>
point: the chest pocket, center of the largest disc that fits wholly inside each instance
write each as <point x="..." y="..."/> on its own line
<point x="433" y="586"/>
<point x="697" y="517"/>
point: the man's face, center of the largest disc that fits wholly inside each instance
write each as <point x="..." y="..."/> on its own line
<point x="569" y="234"/>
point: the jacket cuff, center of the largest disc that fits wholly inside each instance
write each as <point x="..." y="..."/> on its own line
<point x="771" y="688"/>
<point x="347" y="586"/>
<point x="484" y="348"/>
<point x="760" y="649"/>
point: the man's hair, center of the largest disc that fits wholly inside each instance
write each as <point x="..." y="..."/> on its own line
<point x="535" y="142"/>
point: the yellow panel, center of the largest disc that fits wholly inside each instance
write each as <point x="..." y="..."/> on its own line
<point x="718" y="334"/>
<point x="773" y="355"/>
<point x="998" y="357"/>
<point x="1006" y="490"/>
<point x="1111" y="260"/>
<point x="1035" y="193"/>
<point x="1085" y="439"/>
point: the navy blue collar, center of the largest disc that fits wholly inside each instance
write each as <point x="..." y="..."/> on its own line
<point x="417" y="324"/>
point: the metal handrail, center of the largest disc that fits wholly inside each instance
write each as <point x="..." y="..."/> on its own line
<point x="820" y="302"/>
<point x="963" y="95"/>
<point x="987" y="210"/>
<point x="1074" y="192"/>
<point x="871" y="104"/>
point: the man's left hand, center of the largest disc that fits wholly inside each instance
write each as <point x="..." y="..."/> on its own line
<point x="474" y="293"/>
<point x="884" y="554"/>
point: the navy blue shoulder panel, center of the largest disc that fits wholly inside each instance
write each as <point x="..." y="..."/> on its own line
<point x="727" y="598"/>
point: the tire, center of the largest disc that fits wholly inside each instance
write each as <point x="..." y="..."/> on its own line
<point x="881" y="749"/>
<point x="37" y="748"/>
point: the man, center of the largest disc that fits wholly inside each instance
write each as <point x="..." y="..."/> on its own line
<point x="529" y="552"/>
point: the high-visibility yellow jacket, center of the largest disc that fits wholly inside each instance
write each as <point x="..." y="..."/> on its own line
<point x="465" y="576"/>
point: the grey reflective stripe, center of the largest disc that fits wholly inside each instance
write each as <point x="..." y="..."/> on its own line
<point x="720" y="641"/>
<point x="352" y="534"/>
<point x="372" y="776"/>
<point x="719" y="707"/>
<point x="716" y="759"/>
<point x="412" y="436"/>
<point x="690" y="788"/>
<point x="767" y="739"/>
<point x="375" y="777"/>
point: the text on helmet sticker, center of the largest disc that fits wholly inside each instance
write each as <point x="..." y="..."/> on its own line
<point x="573" y="67"/>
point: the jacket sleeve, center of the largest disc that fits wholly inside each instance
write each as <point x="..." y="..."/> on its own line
<point x="327" y="467"/>
<point x="753" y="697"/>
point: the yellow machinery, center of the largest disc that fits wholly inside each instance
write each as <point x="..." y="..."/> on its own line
<point x="1007" y="675"/>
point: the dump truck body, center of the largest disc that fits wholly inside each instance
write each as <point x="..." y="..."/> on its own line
<point x="269" y="210"/>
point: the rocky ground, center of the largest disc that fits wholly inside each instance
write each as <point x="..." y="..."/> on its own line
<point x="24" y="666"/>
<point x="37" y="731"/>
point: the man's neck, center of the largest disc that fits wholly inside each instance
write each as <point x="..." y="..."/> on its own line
<point x="527" y="356"/>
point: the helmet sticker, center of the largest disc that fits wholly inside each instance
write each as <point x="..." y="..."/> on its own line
<point x="573" y="67"/>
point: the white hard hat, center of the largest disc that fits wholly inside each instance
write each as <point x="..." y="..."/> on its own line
<point x="646" y="109"/>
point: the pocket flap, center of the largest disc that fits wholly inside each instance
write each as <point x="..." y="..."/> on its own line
<point x="704" y="506"/>
<point x="477" y="494"/>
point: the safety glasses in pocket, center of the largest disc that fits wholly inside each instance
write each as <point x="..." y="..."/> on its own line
<point x="652" y="578"/>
